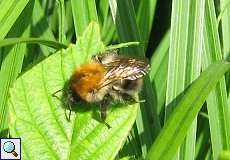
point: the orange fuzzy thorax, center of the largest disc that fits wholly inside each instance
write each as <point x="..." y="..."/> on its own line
<point x="85" y="80"/>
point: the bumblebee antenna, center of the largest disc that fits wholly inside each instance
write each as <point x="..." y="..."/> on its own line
<point x="55" y="94"/>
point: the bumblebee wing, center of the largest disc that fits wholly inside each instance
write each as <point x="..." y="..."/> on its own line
<point x="130" y="69"/>
<point x="107" y="57"/>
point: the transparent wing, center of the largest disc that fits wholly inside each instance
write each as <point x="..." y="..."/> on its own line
<point x="127" y="69"/>
<point x="124" y="68"/>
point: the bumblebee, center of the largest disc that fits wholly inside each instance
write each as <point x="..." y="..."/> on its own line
<point x="107" y="78"/>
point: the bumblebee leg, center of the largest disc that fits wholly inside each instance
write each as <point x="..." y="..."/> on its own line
<point x="103" y="112"/>
<point x="132" y="99"/>
<point x="70" y="111"/>
<point x="103" y="109"/>
<point x="66" y="103"/>
<point x="136" y="100"/>
<point x="139" y="101"/>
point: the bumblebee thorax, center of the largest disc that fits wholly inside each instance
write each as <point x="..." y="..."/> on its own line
<point x="86" y="79"/>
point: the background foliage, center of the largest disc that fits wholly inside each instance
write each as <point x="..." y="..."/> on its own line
<point x="187" y="110"/>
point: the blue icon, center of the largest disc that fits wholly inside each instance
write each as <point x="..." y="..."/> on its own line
<point x="9" y="147"/>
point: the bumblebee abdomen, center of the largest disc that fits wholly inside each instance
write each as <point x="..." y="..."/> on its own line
<point x="126" y="88"/>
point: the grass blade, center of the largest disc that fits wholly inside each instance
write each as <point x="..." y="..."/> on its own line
<point x="217" y="104"/>
<point x="10" y="11"/>
<point x="61" y="15"/>
<point x="145" y="15"/>
<point x="158" y="72"/>
<point x="225" y="22"/>
<point x="225" y="28"/>
<point x="13" y="41"/>
<point x="83" y="13"/>
<point x="108" y="27"/>
<point x="177" y="125"/>
<point x="41" y="27"/>
<point x="184" y="59"/>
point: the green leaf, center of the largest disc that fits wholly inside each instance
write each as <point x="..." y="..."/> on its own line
<point x="61" y="18"/>
<point x="177" y="125"/>
<point x="12" y="62"/>
<point x="203" y="136"/>
<point x="225" y="155"/>
<point x="217" y="103"/>
<point x="69" y="27"/>
<point x="145" y="15"/>
<point x="41" y="27"/>
<point x="10" y="11"/>
<point x="184" y="59"/>
<point x="225" y="22"/>
<point x="83" y="13"/>
<point x="13" y="41"/>
<point x="159" y="71"/>
<point x="39" y="118"/>
<point x="225" y="28"/>
<point x="105" y="18"/>
<point x="108" y="30"/>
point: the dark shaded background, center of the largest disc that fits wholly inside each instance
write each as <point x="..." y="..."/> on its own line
<point x="161" y="24"/>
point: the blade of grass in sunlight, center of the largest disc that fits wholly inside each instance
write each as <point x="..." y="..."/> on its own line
<point x="184" y="59"/>
<point x="225" y="22"/>
<point x="108" y="30"/>
<point x="10" y="11"/>
<point x="108" y="27"/>
<point x="41" y="27"/>
<point x="217" y="104"/>
<point x="103" y="10"/>
<point x="83" y="13"/>
<point x="61" y="19"/>
<point x="189" y="104"/>
<point x="225" y="28"/>
<point x="12" y="41"/>
<point x="225" y="155"/>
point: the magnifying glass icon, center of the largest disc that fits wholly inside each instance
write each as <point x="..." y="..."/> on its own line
<point x="9" y="147"/>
